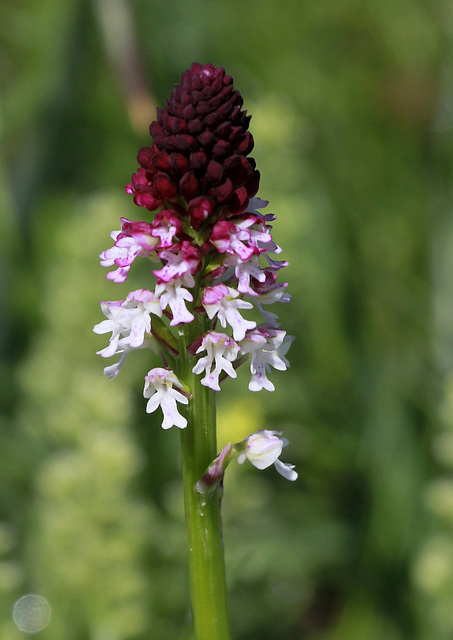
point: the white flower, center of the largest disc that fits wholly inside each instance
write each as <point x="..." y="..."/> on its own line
<point x="263" y="448"/>
<point x="130" y="318"/>
<point x="221" y="351"/>
<point x="172" y="294"/>
<point x="130" y="323"/>
<point x="268" y="347"/>
<point x="159" y="389"/>
<point x="224" y="302"/>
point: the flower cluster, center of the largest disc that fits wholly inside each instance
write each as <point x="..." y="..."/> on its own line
<point x="211" y="247"/>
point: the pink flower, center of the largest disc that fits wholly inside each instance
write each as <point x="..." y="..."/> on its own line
<point x="243" y="237"/>
<point x="228" y="237"/>
<point x="182" y="261"/>
<point x="269" y="290"/>
<point x="134" y="239"/>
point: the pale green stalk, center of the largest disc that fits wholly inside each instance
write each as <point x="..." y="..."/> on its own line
<point x="204" y="535"/>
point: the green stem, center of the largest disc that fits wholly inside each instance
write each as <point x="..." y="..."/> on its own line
<point x="204" y="536"/>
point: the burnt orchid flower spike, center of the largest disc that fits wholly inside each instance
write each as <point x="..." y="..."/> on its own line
<point x="213" y="264"/>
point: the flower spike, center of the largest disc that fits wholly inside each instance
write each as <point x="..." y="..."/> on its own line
<point x="215" y="265"/>
<point x="210" y="235"/>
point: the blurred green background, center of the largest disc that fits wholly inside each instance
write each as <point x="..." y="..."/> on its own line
<point x="352" y="106"/>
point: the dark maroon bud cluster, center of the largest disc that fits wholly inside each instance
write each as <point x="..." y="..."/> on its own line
<point x="200" y="147"/>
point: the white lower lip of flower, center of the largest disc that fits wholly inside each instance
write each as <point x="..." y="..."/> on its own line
<point x="286" y="470"/>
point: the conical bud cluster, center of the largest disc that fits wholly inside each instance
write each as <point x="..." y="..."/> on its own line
<point x="200" y="147"/>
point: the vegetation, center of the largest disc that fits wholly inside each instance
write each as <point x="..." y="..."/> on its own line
<point x="353" y="126"/>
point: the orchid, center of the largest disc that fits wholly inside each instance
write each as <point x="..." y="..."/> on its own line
<point x="215" y="264"/>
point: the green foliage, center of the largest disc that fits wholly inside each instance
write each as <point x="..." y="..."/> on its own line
<point x="353" y="130"/>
